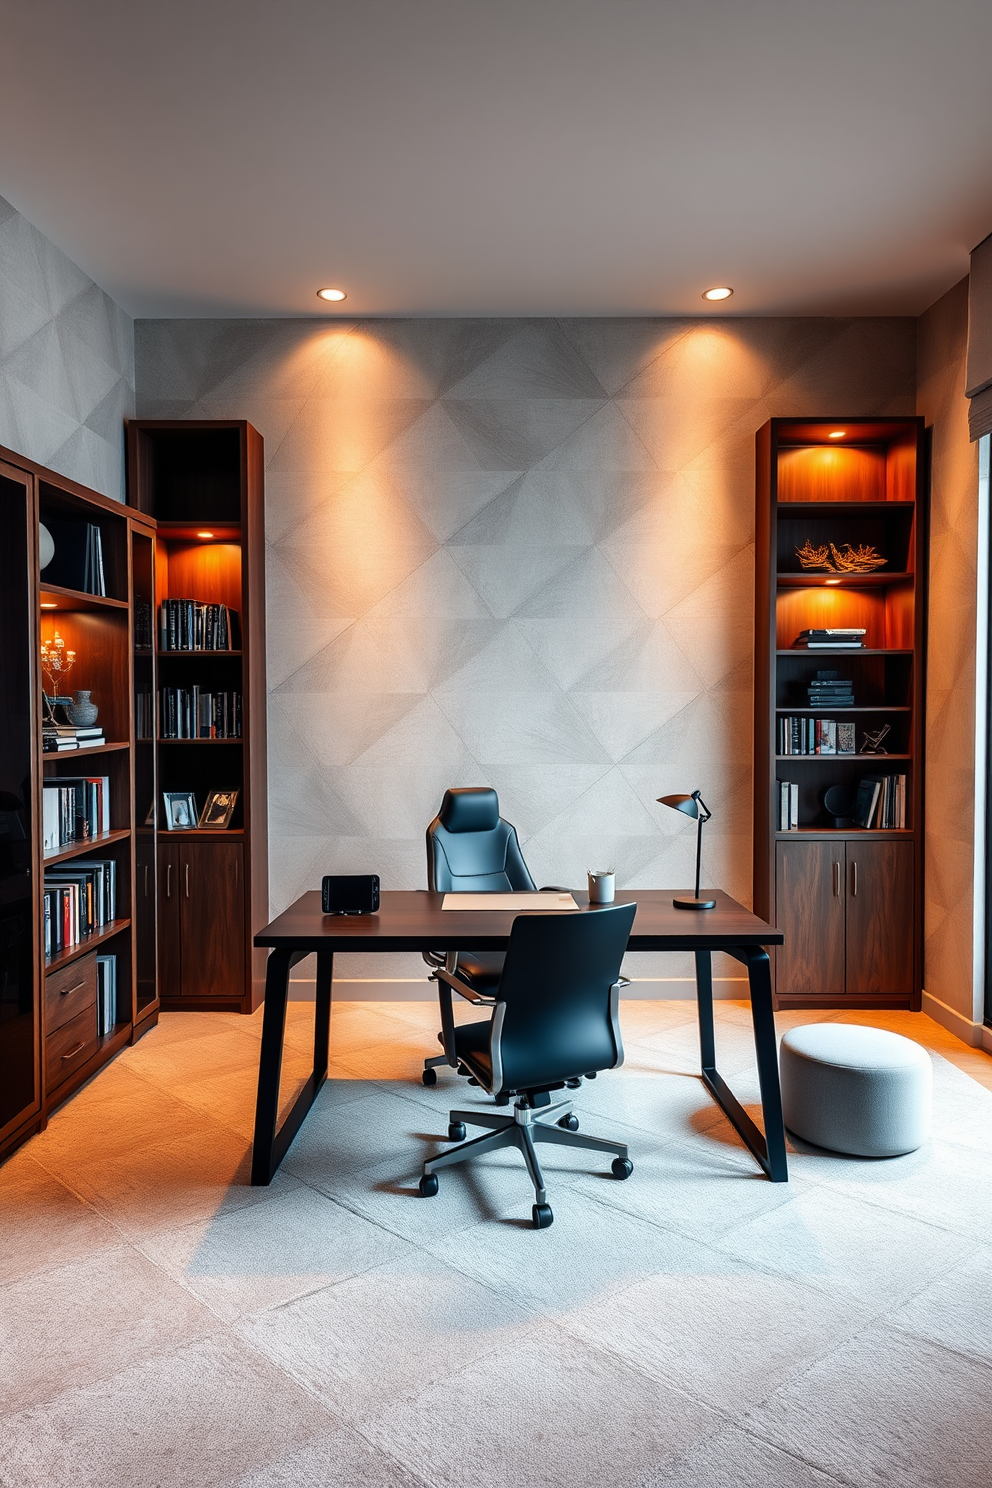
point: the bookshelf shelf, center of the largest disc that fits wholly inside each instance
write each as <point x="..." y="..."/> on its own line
<point x="54" y="597"/>
<point x="62" y="754"/>
<point x="198" y="655"/>
<point x="201" y="742"/>
<point x="841" y="944"/>
<point x="77" y="849"/>
<point x="90" y="942"/>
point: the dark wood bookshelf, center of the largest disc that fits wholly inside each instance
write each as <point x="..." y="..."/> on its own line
<point x="202" y="482"/>
<point x="52" y="1042"/>
<point x="848" y="900"/>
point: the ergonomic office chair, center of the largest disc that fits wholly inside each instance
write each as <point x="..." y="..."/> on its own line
<point x="469" y="847"/>
<point x="555" y="1019"/>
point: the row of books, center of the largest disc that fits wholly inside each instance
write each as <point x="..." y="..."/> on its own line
<point x="881" y="802"/>
<point x="192" y="713"/>
<point x="59" y="738"/>
<point x="800" y="735"/>
<point x="74" y="809"/>
<point x="144" y="715"/>
<point x="106" y="994"/>
<point x="847" y="639"/>
<point x="78" y="898"/>
<point x="78" y="559"/>
<point x="188" y="625"/>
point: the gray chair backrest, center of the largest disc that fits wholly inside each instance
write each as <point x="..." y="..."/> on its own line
<point x="471" y="847"/>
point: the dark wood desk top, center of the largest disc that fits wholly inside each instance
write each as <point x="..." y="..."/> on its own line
<point x="413" y="920"/>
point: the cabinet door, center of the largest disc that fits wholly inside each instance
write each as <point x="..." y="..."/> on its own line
<point x="169" y="956"/>
<point x="809" y="910"/>
<point x="880" y="930"/>
<point x="212" y="911"/>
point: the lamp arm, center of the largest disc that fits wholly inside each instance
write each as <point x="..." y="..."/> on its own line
<point x="699" y="847"/>
<point x="702" y="806"/>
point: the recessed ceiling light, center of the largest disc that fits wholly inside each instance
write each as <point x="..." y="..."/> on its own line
<point x="331" y="294"/>
<point x="204" y="534"/>
<point x="837" y="434"/>
<point x="720" y="293"/>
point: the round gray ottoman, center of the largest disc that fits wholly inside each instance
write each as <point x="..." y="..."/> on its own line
<point x="858" y="1090"/>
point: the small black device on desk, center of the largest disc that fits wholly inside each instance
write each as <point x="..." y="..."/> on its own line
<point x="350" y="893"/>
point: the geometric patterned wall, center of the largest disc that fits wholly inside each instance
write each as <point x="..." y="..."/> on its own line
<point x="66" y="361"/>
<point x="949" y="970"/>
<point x="513" y="552"/>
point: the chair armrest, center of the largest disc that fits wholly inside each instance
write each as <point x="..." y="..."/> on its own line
<point x="462" y="988"/>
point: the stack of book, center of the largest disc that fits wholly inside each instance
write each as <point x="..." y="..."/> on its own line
<point x="190" y="713"/>
<point x="57" y="738"/>
<point x="828" y="690"/>
<point x="106" y="994"/>
<point x="78" y="558"/>
<point x="801" y="735"/>
<point x="788" y="806"/>
<point x="881" y="802"/>
<point x="187" y="625"/>
<point x="74" y="809"/>
<point x="848" y="639"/>
<point x="78" y="898"/>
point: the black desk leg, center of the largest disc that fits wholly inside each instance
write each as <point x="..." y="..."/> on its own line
<point x="768" y="1146"/>
<point x="271" y="1146"/>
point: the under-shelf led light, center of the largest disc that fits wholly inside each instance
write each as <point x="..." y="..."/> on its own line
<point x="837" y="434"/>
<point x="721" y="292"/>
<point x="833" y="581"/>
<point x="204" y="534"/>
<point x="331" y="294"/>
<point x="49" y="604"/>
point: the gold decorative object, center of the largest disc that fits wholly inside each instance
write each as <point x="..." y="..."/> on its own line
<point x="57" y="661"/>
<point x="861" y="559"/>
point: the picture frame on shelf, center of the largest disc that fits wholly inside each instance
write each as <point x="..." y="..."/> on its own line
<point x="180" y="810"/>
<point x="219" y="810"/>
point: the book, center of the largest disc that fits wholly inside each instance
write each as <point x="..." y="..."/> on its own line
<point x="106" y="994"/>
<point x="846" y="738"/>
<point x="865" y="806"/>
<point x="834" y="644"/>
<point x="848" y="631"/>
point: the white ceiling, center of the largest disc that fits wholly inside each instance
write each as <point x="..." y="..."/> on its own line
<point x="503" y="157"/>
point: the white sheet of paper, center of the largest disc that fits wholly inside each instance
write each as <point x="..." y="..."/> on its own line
<point x="532" y="900"/>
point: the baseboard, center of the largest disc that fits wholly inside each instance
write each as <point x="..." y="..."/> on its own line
<point x="418" y="989"/>
<point x="976" y="1035"/>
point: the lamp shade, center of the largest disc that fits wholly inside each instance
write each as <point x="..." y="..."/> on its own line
<point x="687" y="804"/>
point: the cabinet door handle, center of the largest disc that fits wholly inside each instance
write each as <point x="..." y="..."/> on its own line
<point x="168" y="880"/>
<point x="854" y="878"/>
<point x="836" y="880"/>
<point x="74" y="988"/>
<point x="73" y="1051"/>
<point x="187" y="880"/>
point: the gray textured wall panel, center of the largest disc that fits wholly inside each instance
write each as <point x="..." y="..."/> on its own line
<point x="66" y="361"/>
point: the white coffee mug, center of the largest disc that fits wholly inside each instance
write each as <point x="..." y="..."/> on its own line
<point x="602" y="882"/>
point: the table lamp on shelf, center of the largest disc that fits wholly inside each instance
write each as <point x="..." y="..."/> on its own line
<point x="695" y="807"/>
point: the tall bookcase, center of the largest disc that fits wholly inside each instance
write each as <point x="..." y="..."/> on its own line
<point x="202" y="482"/>
<point x="848" y="899"/>
<point x="50" y="1035"/>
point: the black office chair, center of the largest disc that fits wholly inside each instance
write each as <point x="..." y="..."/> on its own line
<point x="470" y="848"/>
<point x="555" y="1018"/>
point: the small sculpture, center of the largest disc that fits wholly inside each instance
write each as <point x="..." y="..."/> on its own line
<point x="873" y="742"/>
<point x="861" y="559"/>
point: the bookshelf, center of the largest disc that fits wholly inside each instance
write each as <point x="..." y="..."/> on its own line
<point x="202" y="482"/>
<point x="848" y="897"/>
<point x="65" y="1010"/>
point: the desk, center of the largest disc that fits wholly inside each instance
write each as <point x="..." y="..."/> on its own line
<point x="415" y="921"/>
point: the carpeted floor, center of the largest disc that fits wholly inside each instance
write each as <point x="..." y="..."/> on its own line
<point x="164" y="1325"/>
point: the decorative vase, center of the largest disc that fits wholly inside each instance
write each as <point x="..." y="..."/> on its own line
<point x="82" y="713"/>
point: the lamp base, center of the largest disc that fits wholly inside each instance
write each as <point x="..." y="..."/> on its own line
<point x="694" y="903"/>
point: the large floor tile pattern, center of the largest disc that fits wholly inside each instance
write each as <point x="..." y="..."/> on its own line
<point x="164" y="1324"/>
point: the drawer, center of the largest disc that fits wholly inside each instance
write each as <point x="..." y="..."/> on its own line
<point x="69" y="991"/>
<point x="70" y="1046"/>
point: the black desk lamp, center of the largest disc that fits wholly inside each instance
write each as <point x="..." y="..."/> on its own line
<point x="694" y="806"/>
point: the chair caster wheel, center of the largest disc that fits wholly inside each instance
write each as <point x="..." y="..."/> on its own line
<point x="502" y="1100"/>
<point x="542" y="1216"/>
<point x="569" y="1122"/>
<point x="429" y="1077"/>
<point x="428" y="1185"/>
<point x="472" y="1080"/>
<point x="456" y="1131"/>
<point x="622" y="1167"/>
<point x="573" y="1084"/>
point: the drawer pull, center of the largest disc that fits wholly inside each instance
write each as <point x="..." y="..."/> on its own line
<point x="74" y="988"/>
<point x="187" y="880"/>
<point x="168" y="881"/>
<point x="74" y="1050"/>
